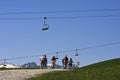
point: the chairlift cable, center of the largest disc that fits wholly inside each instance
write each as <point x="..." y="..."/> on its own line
<point x="68" y="17"/>
<point x="63" y="11"/>
<point x="109" y="44"/>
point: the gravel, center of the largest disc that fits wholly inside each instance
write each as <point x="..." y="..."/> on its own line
<point x="22" y="74"/>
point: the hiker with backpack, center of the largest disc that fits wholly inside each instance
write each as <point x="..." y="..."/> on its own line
<point x="70" y="63"/>
<point x="65" y="62"/>
<point x="53" y="60"/>
<point x="42" y="59"/>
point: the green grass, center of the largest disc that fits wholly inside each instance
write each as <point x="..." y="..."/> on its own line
<point x="107" y="70"/>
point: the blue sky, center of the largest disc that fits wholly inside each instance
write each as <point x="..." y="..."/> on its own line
<point x="19" y="38"/>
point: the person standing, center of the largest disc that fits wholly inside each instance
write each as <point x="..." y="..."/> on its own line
<point x="53" y="60"/>
<point x="70" y="63"/>
<point x="65" y="61"/>
<point x="42" y="63"/>
<point x="45" y="61"/>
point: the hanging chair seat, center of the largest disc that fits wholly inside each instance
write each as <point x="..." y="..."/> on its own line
<point x="76" y="54"/>
<point x="45" y="27"/>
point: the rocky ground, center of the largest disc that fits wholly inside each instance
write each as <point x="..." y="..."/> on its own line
<point x="22" y="74"/>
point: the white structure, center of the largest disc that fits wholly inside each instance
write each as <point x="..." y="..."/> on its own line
<point x="9" y="66"/>
<point x="49" y="66"/>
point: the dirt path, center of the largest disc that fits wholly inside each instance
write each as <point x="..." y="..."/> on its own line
<point x="22" y="73"/>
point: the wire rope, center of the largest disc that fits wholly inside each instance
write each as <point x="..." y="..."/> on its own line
<point x="89" y="47"/>
<point x="62" y="11"/>
<point x="73" y="17"/>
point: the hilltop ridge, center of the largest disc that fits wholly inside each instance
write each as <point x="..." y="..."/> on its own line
<point x="106" y="70"/>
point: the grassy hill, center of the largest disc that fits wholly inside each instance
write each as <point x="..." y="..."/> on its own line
<point x="107" y="70"/>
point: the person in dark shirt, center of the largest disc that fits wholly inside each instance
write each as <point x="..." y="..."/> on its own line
<point x="53" y="60"/>
<point x="70" y="63"/>
<point x="65" y="61"/>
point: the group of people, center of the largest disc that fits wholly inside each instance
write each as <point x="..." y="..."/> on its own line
<point x="65" y="61"/>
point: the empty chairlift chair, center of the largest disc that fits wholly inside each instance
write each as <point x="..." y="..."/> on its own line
<point x="76" y="54"/>
<point x="45" y="25"/>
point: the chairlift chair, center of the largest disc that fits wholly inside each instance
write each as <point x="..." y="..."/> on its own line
<point x="45" y="25"/>
<point x="76" y="54"/>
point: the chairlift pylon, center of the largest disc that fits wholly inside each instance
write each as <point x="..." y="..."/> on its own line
<point x="45" y="25"/>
